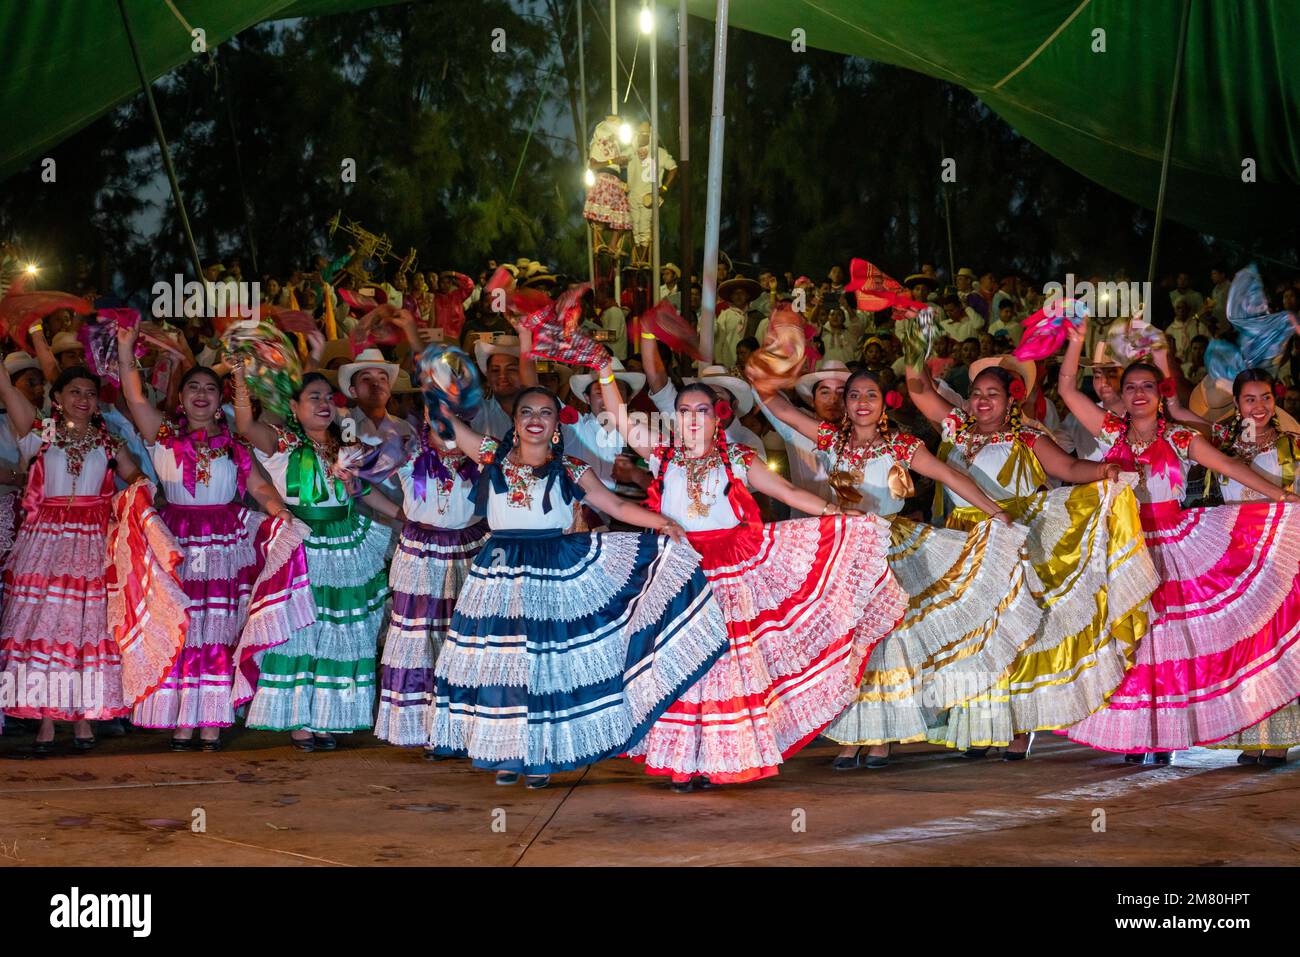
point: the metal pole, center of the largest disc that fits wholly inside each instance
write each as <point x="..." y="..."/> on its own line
<point x="713" y="200"/>
<point x="613" y="59"/>
<point x="685" y="235"/>
<point x="582" y="125"/>
<point x="654" y="153"/>
<point x="613" y="108"/>
<point x="1169" y="146"/>
<point x="162" y="143"/>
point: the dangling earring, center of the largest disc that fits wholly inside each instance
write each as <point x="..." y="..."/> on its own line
<point x="555" y="437"/>
<point x="883" y="424"/>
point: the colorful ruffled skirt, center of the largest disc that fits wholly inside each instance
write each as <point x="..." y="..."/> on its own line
<point x="323" y="678"/>
<point x="58" y="655"/>
<point x="607" y="202"/>
<point x="429" y="569"/>
<point x="805" y="602"/>
<point x="564" y="649"/>
<point x="1221" y="654"/>
<point x="1092" y="577"/>
<point x="245" y="579"/>
<point x="971" y="611"/>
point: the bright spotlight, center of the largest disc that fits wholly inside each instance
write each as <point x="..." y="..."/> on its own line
<point x="32" y="269"/>
<point x="647" y="20"/>
<point x="589" y="178"/>
<point x="625" y="133"/>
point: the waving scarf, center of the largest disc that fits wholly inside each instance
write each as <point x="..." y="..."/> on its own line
<point x="430" y="463"/>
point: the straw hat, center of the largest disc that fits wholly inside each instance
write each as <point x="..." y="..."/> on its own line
<point x="672" y="268"/>
<point x="402" y="385"/>
<point x="66" y="342"/>
<point x="635" y="380"/>
<point x="826" y="369"/>
<point x="921" y="279"/>
<point x="1026" y="370"/>
<point x="718" y="378"/>
<point x="17" y="362"/>
<point x="369" y="359"/>
<point x="739" y="282"/>
<point x="505" y="345"/>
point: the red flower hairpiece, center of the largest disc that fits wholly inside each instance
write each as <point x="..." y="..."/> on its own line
<point x="569" y="415"/>
<point x="1017" y="390"/>
<point x="722" y="408"/>
<point x="1279" y="390"/>
<point x="1167" y="388"/>
<point x="894" y="399"/>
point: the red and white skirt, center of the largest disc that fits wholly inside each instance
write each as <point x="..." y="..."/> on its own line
<point x="805" y="602"/>
<point x="1222" y="652"/>
<point x="58" y="658"/>
<point x="607" y="202"/>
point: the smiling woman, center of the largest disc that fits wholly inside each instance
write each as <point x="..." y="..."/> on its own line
<point x="566" y="646"/>
<point x="322" y="681"/>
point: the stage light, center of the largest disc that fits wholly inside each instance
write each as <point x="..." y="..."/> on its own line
<point x="33" y="269"/>
<point x="647" y="20"/>
<point x="625" y="132"/>
<point x="589" y="178"/>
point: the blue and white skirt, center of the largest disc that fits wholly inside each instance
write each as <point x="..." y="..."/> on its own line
<point x="564" y="649"/>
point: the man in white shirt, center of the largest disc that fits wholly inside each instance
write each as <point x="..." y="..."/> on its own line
<point x="1183" y="292"/>
<point x="645" y="185"/>
<point x="499" y="363"/>
<point x="730" y="323"/>
<point x="1222" y="282"/>
<point x="670" y="278"/>
<point x="612" y="320"/>
<point x="959" y="322"/>
<point x="368" y="383"/>
<point x="1185" y="327"/>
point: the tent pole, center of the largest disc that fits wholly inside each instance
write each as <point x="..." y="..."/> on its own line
<point x="162" y="143"/>
<point x="654" y="156"/>
<point x="582" y="125"/>
<point x="1169" y="146"/>
<point x="713" y="200"/>
<point x="613" y="108"/>
<point x="684" y="168"/>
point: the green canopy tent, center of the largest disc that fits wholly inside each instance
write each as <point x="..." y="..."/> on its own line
<point x="1032" y="61"/>
<point x="1102" y="113"/>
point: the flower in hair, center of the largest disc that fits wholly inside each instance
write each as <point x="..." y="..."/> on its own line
<point x="722" y="408"/>
<point x="894" y="399"/>
<point x="1167" y="388"/>
<point x="1017" y="390"/>
<point x="1279" y="391"/>
<point x="569" y="415"/>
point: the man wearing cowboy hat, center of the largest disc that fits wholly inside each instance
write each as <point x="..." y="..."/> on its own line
<point x="499" y="363"/>
<point x="966" y="279"/>
<point x="367" y="382"/>
<point x="823" y="392"/>
<point x="737" y="391"/>
<point x="920" y="286"/>
<point x="17" y="451"/>
<point x="730" y="324"/>
<point x="670" y="276"/>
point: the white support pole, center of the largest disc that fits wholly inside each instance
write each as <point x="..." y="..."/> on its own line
<point x="584" y="132"/>
<point x="713" y="198"/>
<point x="654" y="154"/>
<point x="613" y="108"/>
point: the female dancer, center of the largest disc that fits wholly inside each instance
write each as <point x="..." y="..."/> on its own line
<point x="245" y="577"/>
<point x="1221" y="652"/>
<point x="322" y="681"/>
<point x="564" y="648"/>
<point x="1090" y="574"/>
<point x="56" y="646"/>
<point x="805" y="601"/>
<point x="430" y="568"/>
<point x="1255" y="435"/>
<point x="971" y="608"/>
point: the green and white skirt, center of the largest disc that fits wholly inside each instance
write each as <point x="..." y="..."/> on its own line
<point x="323" y="678"/>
